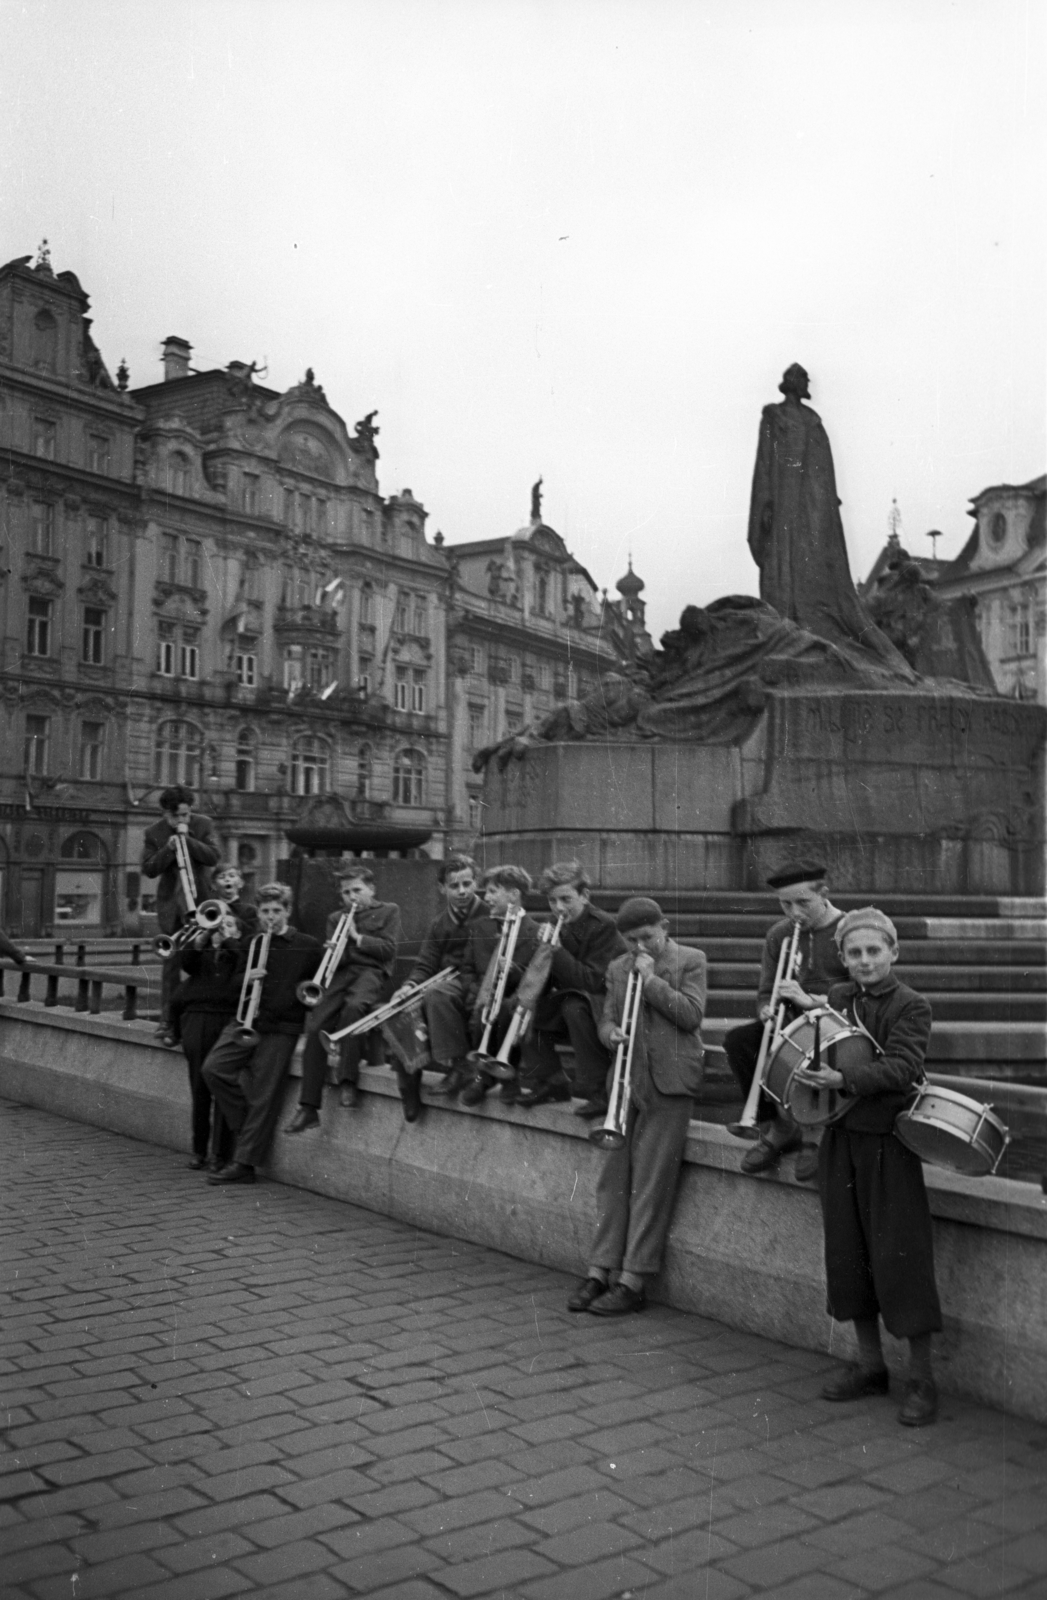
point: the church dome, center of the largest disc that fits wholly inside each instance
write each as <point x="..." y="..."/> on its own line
<point x="630" y="586"/>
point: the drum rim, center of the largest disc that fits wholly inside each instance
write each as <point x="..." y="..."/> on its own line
<point x="982" y="1108"/>
<point x="944" y="1127"/>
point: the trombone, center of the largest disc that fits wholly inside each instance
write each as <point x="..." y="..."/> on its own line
<point x="204" y="917"/>
<point x="251" y="989"/>
<point x="610" y="1135"/>
<point x="498" y="974"/>
<point x="311" y="992"/>
<point x="392" y="1008"/>
<point x="528" y="994"/>
<point x="788" y="963"/>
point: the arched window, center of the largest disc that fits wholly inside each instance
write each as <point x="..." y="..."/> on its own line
<point x="409" y="778"/>
<point x="178" y="473"/>
<point x="177" y="754"/>
<point x="364" y="772"/>
<point x="310" y="765"/>
<point x="542" y="595"/>
<point x="246" y="746"/>
<point x="82" y="846"/>
<point x="45" y="341"/>
<point x="366" y="605"/>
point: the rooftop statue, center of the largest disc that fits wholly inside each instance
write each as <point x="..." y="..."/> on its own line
<point x="795" y="531"/>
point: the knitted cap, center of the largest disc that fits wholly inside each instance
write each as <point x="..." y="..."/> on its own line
<point x="638" y="913"/>
<point x="867" y="917"/>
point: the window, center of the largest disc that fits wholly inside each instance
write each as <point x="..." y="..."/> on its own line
<point x="45" y="341"/>
<point x="92" y="739"/>
<point x="252" y="579"/>
<point x="400" y="689"/>
<point x="92" y="644"/>
<point x="190" y="653"/>
<point x="292" y="666"/>
<point x="318" y="669"/>
<point x="178" y="474"/>
<point x="541" y="598"/>
<point x="97" y="542"/>
<point x="246" y="668"/>
<point x="476" y="658"/>
<point x="320" y="517"/>
<point x="545" y="675"/>
<point x="169" y="558"/>
<point x="177" y="754"/>
<point x="400" y="618"/>
<point x="44" y="435"/>
<point x="250" y="493"/>
<point x="365" y="673"/>
<point x="42" y="528"/>
<point x="245" y="761"/>
<point x="38" y="632"/>
<point x="165" y="649"/>
<point x="97" y="452"/>
<point x="409" y="778"/>
<point x="310" y="765"/>
<point x="1021" y="631"/>
<point x="477" y="726"/>
<point x="364" y="771"/>
<point x="37" y="742"/>
<point x="421" y="616"/>
<point x="418" y="690"/>
<point x="194" y="563"/>
<point x="366" y="605"/>
<point x="475" y="812"/>
<point x="512" y="664"/>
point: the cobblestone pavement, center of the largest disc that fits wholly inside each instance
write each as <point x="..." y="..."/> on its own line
<point x="220" y="1392"/>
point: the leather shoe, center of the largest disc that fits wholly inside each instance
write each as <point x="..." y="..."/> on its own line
<point x="618" y="1301"/>
<point x="528" y="1097"/>
<point x="197" y="1163"/>
<point x="349" y="1097"/>
<point x="765" y="1153"/>
<point x="591" y="1109"/>
<point x="235" y="1172"/>
<point x="852" y="1383"/>
<point x="920" y="1405"/>
<point x="451" y="1083"/>
<point x="474" y="1091"/>
<point x="410" y="1094"/>
<point x="806" y="1168"/>
<point x="588" y="1290"/>
<point x="304" y="1117"/>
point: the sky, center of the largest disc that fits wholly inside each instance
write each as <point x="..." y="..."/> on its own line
<point x="580" y="239"/>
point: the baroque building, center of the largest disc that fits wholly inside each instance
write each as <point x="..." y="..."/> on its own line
<point x="526" y="629"/>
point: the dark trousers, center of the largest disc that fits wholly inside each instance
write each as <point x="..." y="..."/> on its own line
<point x="170" y="978"/>
<point x="200" y="1032"/>
<point x="447" y="1019"/>
<point x="247" y="1082"/>
<point x="879" y="1246"/>
<point x="741" y="1046"/>
<point x="637" y="1186"/>
<point x="337" y="1010"/>
<point x="560" y="1016"/>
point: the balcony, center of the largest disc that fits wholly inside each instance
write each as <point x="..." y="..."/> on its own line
<point x="299" y="624"/>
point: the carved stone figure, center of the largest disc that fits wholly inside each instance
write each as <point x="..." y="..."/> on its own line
<point x="795" y="531"/>
<point x="536" y="501"/>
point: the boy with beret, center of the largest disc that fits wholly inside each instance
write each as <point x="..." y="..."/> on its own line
<point x="879" y="1253"/>
<point x="638" y="1182"/>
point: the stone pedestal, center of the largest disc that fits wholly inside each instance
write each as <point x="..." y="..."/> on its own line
<point x="917" y="792"/>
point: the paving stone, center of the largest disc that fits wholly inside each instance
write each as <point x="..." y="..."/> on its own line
<point x="367" y="1573"/>
<point x="598" y="1581"/>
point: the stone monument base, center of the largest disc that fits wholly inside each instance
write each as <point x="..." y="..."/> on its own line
<point x="925" y="791"/>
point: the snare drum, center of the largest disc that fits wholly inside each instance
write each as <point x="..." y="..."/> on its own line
<point x="946" y="1129"/>
<point x="841" y="1045"/>
<point x="407" y="1035"/>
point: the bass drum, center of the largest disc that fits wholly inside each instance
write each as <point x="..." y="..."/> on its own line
<point x="946" y="1129"/>
<point x="407" y="1035"/>
<point x="841" y="1044"/>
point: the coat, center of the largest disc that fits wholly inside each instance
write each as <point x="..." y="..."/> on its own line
<point x="379" y="928"/>
<point x="899" y="1020"/>
<point x="484" y="937"/>
<point x="671" y="1016"/>
<point x="446" y="943"/>
<point x="159" y="861"/>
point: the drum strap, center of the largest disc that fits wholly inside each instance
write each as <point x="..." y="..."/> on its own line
<point x="860" y="1025"/>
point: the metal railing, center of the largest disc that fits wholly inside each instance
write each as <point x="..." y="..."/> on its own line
<point x="90" y="983"/>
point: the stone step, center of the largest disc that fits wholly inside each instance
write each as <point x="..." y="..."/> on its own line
<point x="747" y="902"/>
<point x="1019" y="1043"/>
<point x="1021" y="954"/>
<point x="941" y="977"/>
<point x="986" y="1008"/>
<point x="751" y="926"/>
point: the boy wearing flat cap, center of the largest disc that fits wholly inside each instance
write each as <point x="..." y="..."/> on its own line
<point x="879" y="1254"/>
<point x="803" y="895"/>
<point x="638" y="1182"/>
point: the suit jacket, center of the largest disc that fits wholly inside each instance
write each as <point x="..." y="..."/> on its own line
<point x="671" y="1017"/>
<point x="159" y="861"/>
<point x="379" y="928"/>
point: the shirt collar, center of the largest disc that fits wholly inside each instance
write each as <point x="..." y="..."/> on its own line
<point x="885" y="986"/>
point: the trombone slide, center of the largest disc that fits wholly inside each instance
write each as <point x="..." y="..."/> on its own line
<point x="503" y="960"/>
<point x="610" y="1135"/>
<point x="374" y="1019"/>
<point x="312" y="990"/>
<point x="499" y="1066"/>
<point x="748" y="1126"/>
<point x="251" y="988"/>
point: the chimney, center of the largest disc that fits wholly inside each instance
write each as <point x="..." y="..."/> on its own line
<point x="176" y="357"/>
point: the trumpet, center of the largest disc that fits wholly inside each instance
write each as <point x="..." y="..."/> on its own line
<point x="788" y="963"/>
<point x="251" y="989"/>
<point x="205" y="918"/>
<point x="610" y="1135"/>
<point x="312" y="991"/>
<point x="495" y="982"/>
<point x="392" y="1008"/>
<point x="528" y="994"/>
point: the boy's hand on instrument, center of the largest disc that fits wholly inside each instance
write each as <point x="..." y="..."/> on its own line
<point x="644" y="965"/>
<point x="405" y="988"/>
<point x="766" y="1013"/>
<point x="826" y="1078"/>
<point x="790" y="990"/>
<point x="617" y="1036"/>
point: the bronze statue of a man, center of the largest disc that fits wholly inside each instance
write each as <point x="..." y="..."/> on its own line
<point x="795" y="531"/>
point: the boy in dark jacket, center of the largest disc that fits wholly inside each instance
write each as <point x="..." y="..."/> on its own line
<point x="638" y="1181"/>
<point x="202" y="1005"/>
<point x="366" y="965"/>
<point x="159" y="860"/>
<point x="503" y="892"/>
<point x="245" y="1077"/>
<point x="879" y="1252"/>
<point x="572" y="1003"/>
<point x="445" y="945"/>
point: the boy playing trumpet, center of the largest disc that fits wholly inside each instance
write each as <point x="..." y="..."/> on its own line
<point x="503" y="890"/>
<point x="638" y="1180"/>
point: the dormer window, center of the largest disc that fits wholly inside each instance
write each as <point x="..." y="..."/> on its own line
<point x="997" y="529"/>
<point x="45" y="341"/>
